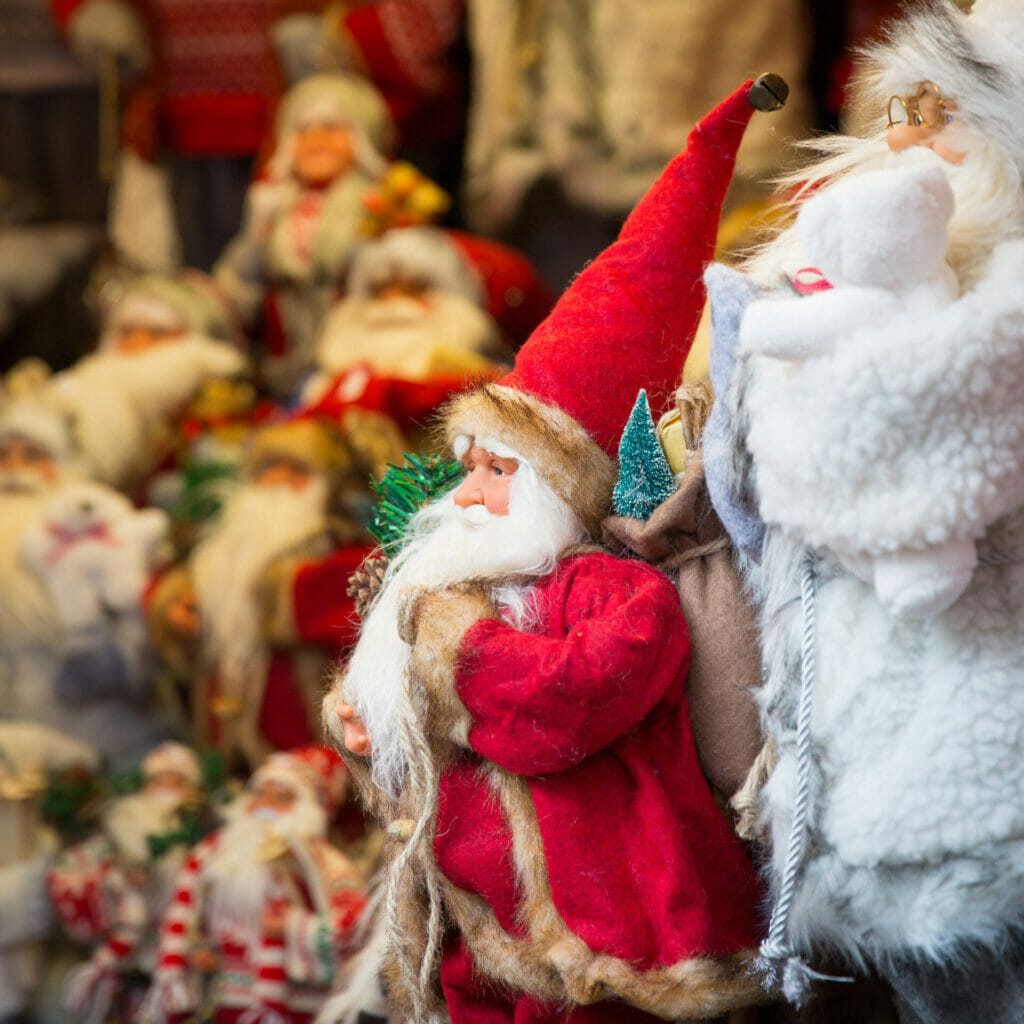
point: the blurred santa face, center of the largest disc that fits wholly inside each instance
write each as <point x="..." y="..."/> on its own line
<point x="25" y="465"/>
<point x="322" y="154"/>
<point x="169" y="786"/>
<point x="487" y="482"/>
<point x="139" y="323"/>
<point x="270" y="799"/>
<point x="283" y="472"/>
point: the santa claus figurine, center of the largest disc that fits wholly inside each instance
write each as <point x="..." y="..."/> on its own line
<point x="515" y="703"/>
<point x="413" y="308"/>
<point x="160" y="339"/>
<point x="29" y="754"/>
<point x="302" y="218"/>
<point x="110" y="891"/>
<point x="265" y="908"/>
<point x="42" y="656"/>
<point x="895" y="809"/>
<point x="256" y="608"/>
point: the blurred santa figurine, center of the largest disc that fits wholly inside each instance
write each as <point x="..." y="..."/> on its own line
<point x="258" y="614"/>
<point x="265" y="908"/>
<point x="29" y="752"/>
<point x="38" y="465"/>
<point x="515" y="704"/>
<point x="111" y="890"/>
<point x="161" y="338"/>
<point x="303" y="217"/>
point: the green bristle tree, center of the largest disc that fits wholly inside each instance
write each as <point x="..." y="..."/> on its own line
<point x="404" y="490"/>
<point x="645" y="478"/>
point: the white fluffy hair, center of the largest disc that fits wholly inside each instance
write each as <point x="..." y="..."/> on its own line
<point x="258" y="524"/>
<point x="118" y="399"/>
<point x="129" y="820"/>
<point x="448" y="545"/>
<point x="238" y="882"/>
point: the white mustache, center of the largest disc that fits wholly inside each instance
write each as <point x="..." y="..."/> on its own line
<point x="476" y="515"/>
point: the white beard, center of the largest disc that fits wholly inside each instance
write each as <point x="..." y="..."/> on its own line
<point x="986" y="186"/>
<point x="258" y="525"/>
<point x="447" y="545"/>
<point x="401" y="337"/>
<point x="26" y="612"/>
<point x="118" y="400"/>
<point x="129" y="820"/>
<point x="237" y="881"/>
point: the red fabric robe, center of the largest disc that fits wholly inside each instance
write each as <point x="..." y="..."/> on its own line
<point x="590" y="707"/>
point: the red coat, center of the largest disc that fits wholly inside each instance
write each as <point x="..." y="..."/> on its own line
<point x="590" y="707"/>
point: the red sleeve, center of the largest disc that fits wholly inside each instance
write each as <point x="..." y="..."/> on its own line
<point x="542" y="703"/>
<point x="324" y="613"/>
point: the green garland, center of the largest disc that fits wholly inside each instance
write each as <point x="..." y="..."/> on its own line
<point x="404" y="490"/>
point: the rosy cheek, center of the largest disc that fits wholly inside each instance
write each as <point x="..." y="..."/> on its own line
<point x="497" y="497"/>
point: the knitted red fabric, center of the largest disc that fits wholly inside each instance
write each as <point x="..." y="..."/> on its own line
<point x="629" y="319"/>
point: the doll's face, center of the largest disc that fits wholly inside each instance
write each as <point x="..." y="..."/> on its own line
<point x="272" y="797"/>
<point x="20" y="456"/>
<point x="488" y="481"/>
<point x="131" y="336"/>
<point x="283" y="472"/>
<point x="923" y="119"/>
<point x="169" y="785"/>
<point x="323" y="153"/>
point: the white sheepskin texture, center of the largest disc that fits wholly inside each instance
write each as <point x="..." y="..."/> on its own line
<point x="915" y="843"/>
<point x="907" y="433"/>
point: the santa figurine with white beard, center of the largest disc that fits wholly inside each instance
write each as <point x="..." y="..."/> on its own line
<point x="255" y="610"/>
<point x="515" y="704"/>
<point x="895" y="809"/>
<point x="265" y="908"/>
<point x="30" y="754"/>
<point x="412" y="309"/>
<point x="37" y="462"/>
<point x="111" y="891"/>
<point x="302" y="216"/>
<point x="161" y="338"/>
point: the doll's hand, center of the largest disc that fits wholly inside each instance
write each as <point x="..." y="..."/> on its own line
<point x="355" y="737"/>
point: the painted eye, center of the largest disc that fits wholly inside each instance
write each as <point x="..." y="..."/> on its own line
<point x="497" y="470"/>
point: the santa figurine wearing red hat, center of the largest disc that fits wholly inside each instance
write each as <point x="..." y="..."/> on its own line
<point x="515" y="703"/>
<point x="265" y="907"/>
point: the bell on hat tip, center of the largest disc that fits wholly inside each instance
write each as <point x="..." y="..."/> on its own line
<point x="769" y="92"/>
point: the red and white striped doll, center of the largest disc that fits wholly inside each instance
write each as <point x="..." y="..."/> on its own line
<point x="265" y="907"/>
<point x="111" y="890"/>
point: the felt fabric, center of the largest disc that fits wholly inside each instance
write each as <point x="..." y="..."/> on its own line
<point x="726" y="659"/>
<point x="591" y="709"/>
<point x="620" y="302"/>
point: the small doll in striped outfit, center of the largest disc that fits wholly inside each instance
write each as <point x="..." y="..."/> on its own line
<point x="265" y="908"/>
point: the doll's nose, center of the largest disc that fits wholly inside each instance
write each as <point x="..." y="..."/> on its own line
<point x="469" y="492"/>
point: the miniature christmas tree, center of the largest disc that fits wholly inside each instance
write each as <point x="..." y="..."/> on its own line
<point x="404" y="490"/>
<point x="645" y="479"/>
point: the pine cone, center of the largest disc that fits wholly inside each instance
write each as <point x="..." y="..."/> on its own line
<point x="366" y="581"/>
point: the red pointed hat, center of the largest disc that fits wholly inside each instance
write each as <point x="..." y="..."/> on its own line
<point x="625" y="323"/>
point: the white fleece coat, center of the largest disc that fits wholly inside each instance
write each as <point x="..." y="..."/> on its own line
<point x="916" y="821"/>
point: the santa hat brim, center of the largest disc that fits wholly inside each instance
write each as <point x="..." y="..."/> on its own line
<point x="563" y="454"/>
